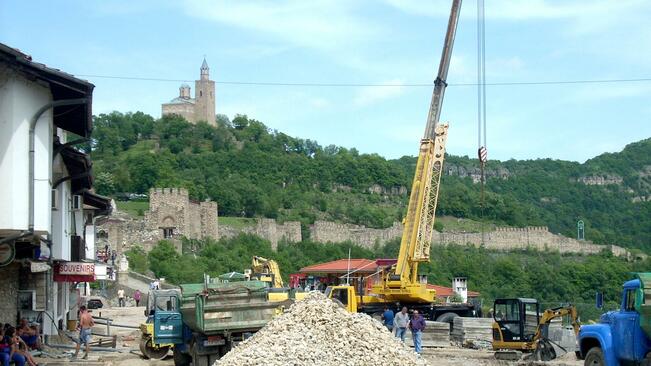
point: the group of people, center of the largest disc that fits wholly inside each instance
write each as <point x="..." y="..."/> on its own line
<point x="137" y="295"/>
<point x="154" y="285"/>
<point x="17" y="342"/>
<point x="400" y="322"/>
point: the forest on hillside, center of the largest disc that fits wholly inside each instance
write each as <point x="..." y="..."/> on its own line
<point x="254" y="171"/>
<point x="552" y="278"/>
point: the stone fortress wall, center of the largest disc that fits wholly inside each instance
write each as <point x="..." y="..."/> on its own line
<point x="269" y="229"/>
<point x="327" y="231"/>
<point x="533" y="237"/>
<point x="171" y="208"/>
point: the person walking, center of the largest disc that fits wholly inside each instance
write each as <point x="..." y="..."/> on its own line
<point x="136" y="297"/>
<point x="387" y="318"/>
<point x="417" y="325"/>
<point x="86" y="323"/>
<point x="401" y="322"/>
<point x="121" y="298"/>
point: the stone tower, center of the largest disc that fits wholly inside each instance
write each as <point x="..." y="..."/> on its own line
<point x="204" y="92"/>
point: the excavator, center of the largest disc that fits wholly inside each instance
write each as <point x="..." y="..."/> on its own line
<point x="519" y="328"/>
<point x="401" y="283"/>
<point x="266" y="270"/>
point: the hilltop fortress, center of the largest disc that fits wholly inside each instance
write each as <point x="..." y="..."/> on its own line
<point x="199" y="108"/>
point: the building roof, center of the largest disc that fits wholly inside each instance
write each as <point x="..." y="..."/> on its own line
<point x="77" y="119"/>
<point x="370" y="266"/>
<point x="101" y="204"/>
<point x="179" y="100"/>
<point x="204" y="65"/>
<point x="342" y="266"/>
<point x="79" y="167"/>
<point x="442" y="291"/>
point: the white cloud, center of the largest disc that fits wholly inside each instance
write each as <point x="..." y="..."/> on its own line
<point x="371" y="94"/>
<point x="316" y="24"/>
<point x="319" y="102"/>
<point x="521" y="10"/>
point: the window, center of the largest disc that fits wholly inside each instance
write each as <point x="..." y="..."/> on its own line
<point x="630" y="300"/>
<point x="341" y="295"/>
<point x="168" y="232"/>
<point x="531" y="319"/>
<point x="200" y="93"/>
<point x="166" y="303"/>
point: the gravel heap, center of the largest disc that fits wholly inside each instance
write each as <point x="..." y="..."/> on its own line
<point x="317" y="331"/>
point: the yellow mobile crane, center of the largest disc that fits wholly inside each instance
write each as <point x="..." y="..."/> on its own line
<point x="401" y="285"/>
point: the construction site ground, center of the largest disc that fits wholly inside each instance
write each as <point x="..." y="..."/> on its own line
<point x="126" y="352"/>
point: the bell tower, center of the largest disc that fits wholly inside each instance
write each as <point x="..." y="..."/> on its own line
<point x="205" y="96"/>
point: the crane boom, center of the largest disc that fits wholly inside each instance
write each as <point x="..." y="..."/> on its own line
<point x="402" y="282"/>
<point x="440" y="83"/>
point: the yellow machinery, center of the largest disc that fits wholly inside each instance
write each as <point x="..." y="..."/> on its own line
<point x="401" y="283"/>
<point x="520" y="328"/>
<point x="266" y="270"/>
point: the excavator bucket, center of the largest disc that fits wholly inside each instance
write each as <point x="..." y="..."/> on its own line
<point x="643" y="302"/>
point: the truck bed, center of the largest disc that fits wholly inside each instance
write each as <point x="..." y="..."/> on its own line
<point x="226" y="307"/>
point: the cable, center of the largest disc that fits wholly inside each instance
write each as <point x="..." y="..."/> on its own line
<point x="481" y="106"/>
<point x="313" y="84"/>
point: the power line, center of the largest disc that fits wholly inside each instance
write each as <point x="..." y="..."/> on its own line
<point x="312" y="84"/>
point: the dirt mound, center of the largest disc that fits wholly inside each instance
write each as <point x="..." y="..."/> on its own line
<point x="316" y="331"/>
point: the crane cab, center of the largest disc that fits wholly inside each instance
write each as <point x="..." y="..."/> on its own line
<point x="515" y="323"/>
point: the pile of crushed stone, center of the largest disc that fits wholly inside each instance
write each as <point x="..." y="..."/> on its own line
<point x="317" y="331"/>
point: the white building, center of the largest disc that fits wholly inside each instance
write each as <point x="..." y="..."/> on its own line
<point x="48" y="207"/>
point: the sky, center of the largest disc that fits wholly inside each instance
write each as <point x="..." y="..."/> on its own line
<point x="395" y="43"/>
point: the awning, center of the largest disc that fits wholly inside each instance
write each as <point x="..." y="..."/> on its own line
<point x="77" y="119"/>
<point x="101" y="204"/>
<point x="74" y="272"/>
<point x="79" y="167"/>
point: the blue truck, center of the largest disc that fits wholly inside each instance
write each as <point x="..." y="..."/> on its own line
<point x="621" y="337"/>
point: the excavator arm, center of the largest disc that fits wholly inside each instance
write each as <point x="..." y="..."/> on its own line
<point x="267" y="270"/>
<point x="559" y="312"/>
<point x="545" y="350"/>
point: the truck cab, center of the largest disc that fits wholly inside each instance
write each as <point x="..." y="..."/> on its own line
<point x="621" y="337"/>
<point x="345" y="295"/>
<point x="164" y="325"/>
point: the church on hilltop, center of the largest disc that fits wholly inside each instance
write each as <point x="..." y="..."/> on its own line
<point x="199" y="108"/>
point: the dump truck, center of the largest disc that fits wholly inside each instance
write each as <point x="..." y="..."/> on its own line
<point x="202" y="322"/>
<point x="622" y="337"/>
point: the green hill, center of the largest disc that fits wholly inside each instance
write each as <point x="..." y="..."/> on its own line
<point x="552" y="278"/>
<point x="252" y="171"/>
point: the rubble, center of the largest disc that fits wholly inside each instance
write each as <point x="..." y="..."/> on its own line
<point x="318" y="331"/>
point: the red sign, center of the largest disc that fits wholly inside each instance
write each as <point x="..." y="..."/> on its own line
<point x="74" y="272"/>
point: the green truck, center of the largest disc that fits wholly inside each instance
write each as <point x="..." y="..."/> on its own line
<point x="202" y="322"/>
